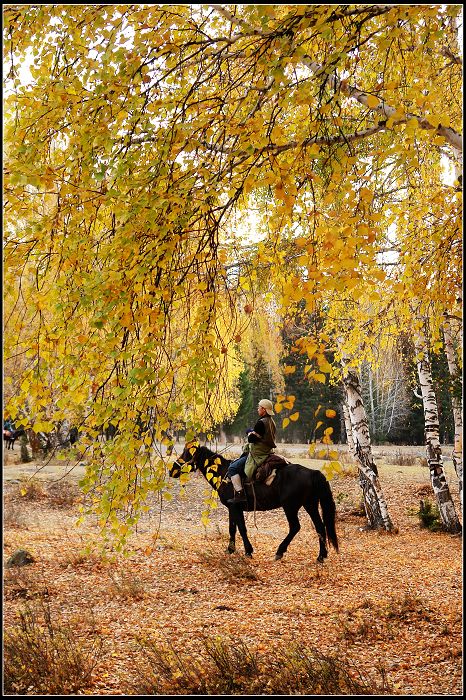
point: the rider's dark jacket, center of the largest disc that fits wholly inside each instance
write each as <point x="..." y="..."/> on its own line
<point x="260" y="447"/>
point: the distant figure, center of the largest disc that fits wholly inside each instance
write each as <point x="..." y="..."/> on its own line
<point x="10" y="434"/>
<point x="8" y="426"/>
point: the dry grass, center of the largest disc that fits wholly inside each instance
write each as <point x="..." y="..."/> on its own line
<point x="44" y="655"/>
<point x="234" y="667"/>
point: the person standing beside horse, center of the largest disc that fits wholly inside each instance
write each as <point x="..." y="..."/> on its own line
<point x="261" y="442"/>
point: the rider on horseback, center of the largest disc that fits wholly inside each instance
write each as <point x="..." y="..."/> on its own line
<point x="261" y="442"/>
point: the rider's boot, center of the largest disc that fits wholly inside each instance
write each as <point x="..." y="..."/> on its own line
<point x="239" y="495"/>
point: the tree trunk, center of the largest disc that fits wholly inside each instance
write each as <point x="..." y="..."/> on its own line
<point x="457" y="406"/>
<point x="432" y="432"/>
<point x="24" y="452"/>
<point x="63" y="433"/>
<point x="349" y="430"/>
<point x="374" y="500"/>
<point x="372" y="400"/>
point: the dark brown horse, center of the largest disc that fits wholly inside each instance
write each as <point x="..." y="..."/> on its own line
<point x="10" y="437"/>
<point x="294" y="487"/>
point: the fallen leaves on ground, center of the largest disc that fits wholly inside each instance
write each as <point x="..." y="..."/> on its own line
<point x="390" y="603"/>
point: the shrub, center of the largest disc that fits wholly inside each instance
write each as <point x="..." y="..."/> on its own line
<point x="429" y="516"/>
<point x="31" y="489"/>
<point x="232" y="667"/>
<point x="43" y="655"/>
<point x="127" y="586"/>
<point x="408" y="607"/>
<point x="402" y="459"/>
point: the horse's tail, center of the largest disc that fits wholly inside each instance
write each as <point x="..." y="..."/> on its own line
<point x="328" y="511"/>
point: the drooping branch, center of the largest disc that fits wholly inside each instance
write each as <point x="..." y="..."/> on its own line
<point x="387" y="111"/>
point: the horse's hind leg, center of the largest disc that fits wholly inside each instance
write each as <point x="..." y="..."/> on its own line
<point x="294" y="524"/>
<point x="313" y="511"/>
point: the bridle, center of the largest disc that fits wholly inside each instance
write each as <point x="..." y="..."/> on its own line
<point x="191" y="463"/>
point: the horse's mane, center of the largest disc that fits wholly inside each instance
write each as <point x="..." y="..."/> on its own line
<point x="206" y="452"/>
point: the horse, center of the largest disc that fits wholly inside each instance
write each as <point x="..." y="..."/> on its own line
<point x="294" y="487"/>
<point x="10" y="437"/>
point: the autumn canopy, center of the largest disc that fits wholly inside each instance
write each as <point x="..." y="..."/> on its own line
<point x="174" y="171"/>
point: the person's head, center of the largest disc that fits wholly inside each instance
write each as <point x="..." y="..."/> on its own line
<point x="265" y="407"/>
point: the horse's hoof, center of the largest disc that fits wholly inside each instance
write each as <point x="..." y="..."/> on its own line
<point x="278" y="557"/>
<point x="230" y="551"/>
<point x="320" y="560"/>
<point x="248" y="555"/>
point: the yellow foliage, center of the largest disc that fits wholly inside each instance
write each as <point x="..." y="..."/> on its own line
<point x="133" y="288"/>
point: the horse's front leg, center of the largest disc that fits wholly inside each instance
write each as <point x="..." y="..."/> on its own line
<point x="232" y="532"/>
<point x="237" y="515"/>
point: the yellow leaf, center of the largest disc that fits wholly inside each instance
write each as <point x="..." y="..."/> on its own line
<point x="412" y="123"/>
<point x="286" y="422"/>
<point x="294" y="416"/>
<point x="42" y="426"/>
<point x="372" y="101"/>
<point x="289" y="369"/>
<point x="330" y="413"/>
<point x="366" y="194"/>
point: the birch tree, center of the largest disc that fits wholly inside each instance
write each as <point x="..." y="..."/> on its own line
<point x="452" y="354"/>
<point x="433" y="449"/>
<point x="348" y="429"/>
<point x="385" y="392"/>
<point x="374" y="499"/>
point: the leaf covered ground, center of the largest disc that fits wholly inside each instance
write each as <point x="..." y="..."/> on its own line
<point x="390" y="605"/>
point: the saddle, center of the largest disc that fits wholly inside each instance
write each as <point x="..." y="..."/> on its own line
<point x="265" y="473"/>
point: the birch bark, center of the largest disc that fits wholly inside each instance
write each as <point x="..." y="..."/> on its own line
<point x="432" y="432"/>
<point x="374" y="499"/>
<point x="349" y="430"/>
<point x="457" y="406"/>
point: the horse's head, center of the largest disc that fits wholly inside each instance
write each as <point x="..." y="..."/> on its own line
<point x="186" y="462"/>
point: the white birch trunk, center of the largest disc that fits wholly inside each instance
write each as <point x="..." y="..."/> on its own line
<point x="456" y="402"/>
<point x="432" y="432"/>
<point x="374" y="499"/>
<point x="371" y="398"/>
<point x="63" y="432"/>
<point x="349" y="430"/>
